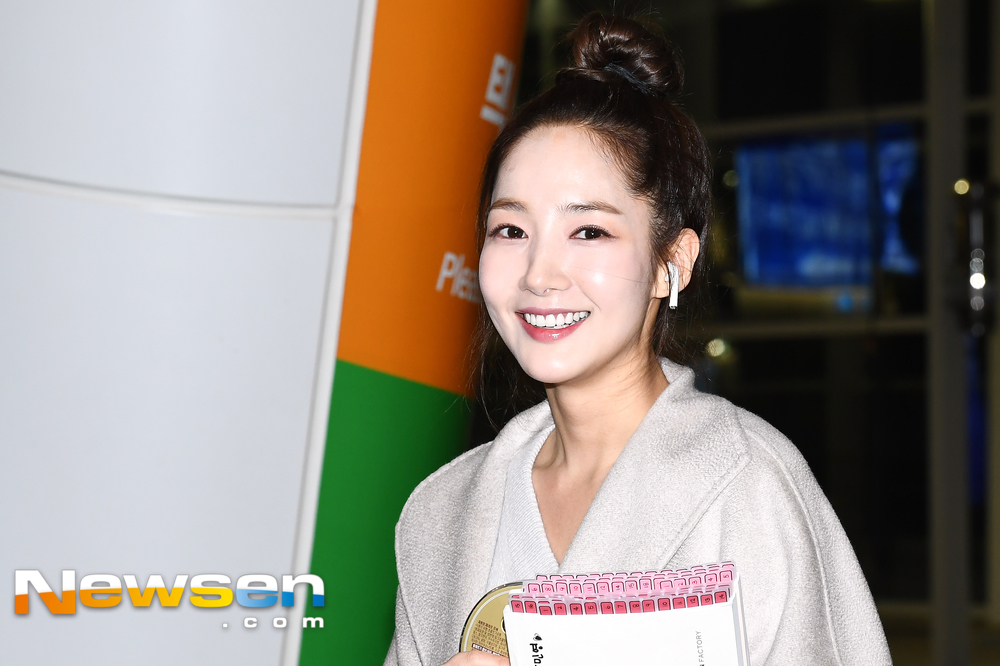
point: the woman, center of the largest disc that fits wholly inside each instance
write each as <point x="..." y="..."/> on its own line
<point x="593" y="213"/>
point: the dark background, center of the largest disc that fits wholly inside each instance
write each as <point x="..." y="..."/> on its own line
<point x="849" y="390"/>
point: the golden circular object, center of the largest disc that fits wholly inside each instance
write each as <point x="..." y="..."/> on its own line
<point x="484" y="628"/>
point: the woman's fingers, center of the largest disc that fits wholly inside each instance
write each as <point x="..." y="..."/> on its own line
<point x="476" y="658"/>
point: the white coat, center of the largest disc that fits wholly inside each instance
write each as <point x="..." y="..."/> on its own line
<point x="700" y="481"/>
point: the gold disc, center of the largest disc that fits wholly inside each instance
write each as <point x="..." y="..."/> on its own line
<point x="484" y="628"/>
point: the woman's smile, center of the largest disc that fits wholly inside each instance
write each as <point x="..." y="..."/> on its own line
<point x="546" y="325"/>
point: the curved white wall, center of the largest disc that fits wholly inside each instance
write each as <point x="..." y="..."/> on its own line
<point x="169" y="176"/>
<point x="154" y="404"/>
<point x="239" y="100"/>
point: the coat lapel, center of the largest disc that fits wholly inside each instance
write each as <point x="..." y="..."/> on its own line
<point x="481" y="519"/>
<point x="680" y="458"/>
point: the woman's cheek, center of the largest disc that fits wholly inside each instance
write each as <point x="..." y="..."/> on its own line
<point x="495" y="278"/>
<point x="613" y="278"/>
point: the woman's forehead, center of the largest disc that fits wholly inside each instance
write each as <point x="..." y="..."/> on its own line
<point x="560" y="161"/>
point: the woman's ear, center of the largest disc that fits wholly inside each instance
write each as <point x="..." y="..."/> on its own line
<point x="683" y="254"/>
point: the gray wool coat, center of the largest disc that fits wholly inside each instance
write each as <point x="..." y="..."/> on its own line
<point x="700" y="481"/>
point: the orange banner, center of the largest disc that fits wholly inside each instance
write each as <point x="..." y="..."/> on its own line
<point x="442" y="83"/>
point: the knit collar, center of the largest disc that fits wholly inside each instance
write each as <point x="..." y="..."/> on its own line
<point x="686" y="450"/>
<point x="673" y="466"/>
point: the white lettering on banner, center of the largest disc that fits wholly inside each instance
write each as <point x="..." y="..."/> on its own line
<point x="464" y="280"/>
<point x="498" y="90"/>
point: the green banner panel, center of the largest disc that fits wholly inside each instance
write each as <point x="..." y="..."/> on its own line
<point x="385" y="435"/>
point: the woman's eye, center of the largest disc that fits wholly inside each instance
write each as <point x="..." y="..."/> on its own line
<point x="590" y="233"/>
<point x="508" y="232"/>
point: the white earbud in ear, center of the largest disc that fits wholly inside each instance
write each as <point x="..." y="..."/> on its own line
<point x="673" y="278"/>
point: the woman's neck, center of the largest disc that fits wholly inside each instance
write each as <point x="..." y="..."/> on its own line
<point x="594" y="420"/>
<point x="595" y="417"/>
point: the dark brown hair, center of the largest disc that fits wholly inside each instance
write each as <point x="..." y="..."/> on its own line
<point x="622" y="88"/>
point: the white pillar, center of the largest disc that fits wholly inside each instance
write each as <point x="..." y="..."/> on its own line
<point x="173" y="185"/>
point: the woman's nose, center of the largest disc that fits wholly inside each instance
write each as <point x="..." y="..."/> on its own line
<point x="544" y="271"/>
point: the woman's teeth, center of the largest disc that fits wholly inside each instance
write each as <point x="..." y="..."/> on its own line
<point x="555" y="321"/>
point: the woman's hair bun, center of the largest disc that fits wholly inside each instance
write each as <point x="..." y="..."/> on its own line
<point x="617" y="46"/>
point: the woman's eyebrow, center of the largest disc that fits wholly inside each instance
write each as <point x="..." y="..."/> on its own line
<point x="591" y="206"/>
<point x="509" y="204"/>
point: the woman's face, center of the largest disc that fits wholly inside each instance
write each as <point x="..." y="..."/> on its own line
<point x="565" y="270"/>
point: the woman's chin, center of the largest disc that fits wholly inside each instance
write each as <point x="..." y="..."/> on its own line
<point x="552" y="371"/>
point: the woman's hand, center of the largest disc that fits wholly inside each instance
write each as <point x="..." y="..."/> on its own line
<point x="476" y="658"/>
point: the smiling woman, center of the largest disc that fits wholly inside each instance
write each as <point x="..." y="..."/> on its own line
<point x="594" y="208"/>
<point x="565" y="236"/>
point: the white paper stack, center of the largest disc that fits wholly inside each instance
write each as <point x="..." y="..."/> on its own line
<point x="683" y="617"/>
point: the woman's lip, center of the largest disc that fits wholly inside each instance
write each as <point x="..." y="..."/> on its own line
<point x="549" y="311"/>
<point x="549" y="334"/>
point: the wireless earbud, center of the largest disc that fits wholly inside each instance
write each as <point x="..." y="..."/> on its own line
<point x="673" y="279"/>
